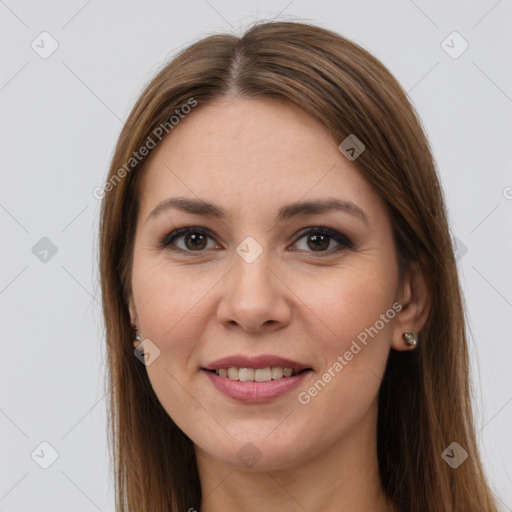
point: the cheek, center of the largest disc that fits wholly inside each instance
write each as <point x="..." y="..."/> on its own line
<point x="347" y="302"/>
<point x="353" y="318"/>
<point x="171" y="306"/>
<point x="171" y="302"/>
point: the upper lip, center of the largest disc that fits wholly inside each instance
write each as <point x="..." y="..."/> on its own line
<point x="261" y="361"/>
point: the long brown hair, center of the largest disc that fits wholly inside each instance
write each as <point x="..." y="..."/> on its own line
<point x="424" y="399"/>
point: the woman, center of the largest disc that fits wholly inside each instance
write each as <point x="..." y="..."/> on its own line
<point x="274" y="243"/>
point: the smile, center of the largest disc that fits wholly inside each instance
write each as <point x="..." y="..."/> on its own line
<point x="256" y="374"/>
<point x="253" y="379"/>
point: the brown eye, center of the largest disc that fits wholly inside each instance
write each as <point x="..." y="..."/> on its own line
<point x="195" y="241"/>
<point x="318" y="242"/>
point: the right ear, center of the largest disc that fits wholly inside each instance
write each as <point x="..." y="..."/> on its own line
<point x="134" y="318"/>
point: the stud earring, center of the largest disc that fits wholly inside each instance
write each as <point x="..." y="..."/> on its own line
<point x="410" y="339"/>
<point x="137" y="338"/>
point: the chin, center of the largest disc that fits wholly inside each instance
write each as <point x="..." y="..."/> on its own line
<point x="260" y="452"/>
<point x="254" y="458"/>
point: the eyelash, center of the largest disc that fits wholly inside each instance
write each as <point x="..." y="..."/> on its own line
<point x="344" y="242"/>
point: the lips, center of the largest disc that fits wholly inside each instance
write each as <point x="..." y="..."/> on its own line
<point x="255" y="392"/>
<point x="261" y="389"/>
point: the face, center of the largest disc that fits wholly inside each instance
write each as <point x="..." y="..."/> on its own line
<point x="253" y="279"/>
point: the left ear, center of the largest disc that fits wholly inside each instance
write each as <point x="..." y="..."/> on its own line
<point x="415" y="302"/>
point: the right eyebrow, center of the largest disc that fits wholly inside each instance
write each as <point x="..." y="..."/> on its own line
<point x="194" y="206"/>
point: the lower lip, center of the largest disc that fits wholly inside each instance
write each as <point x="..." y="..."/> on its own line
<point x="254" y="392"/>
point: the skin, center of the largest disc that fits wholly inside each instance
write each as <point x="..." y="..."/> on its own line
<point x="251" y="157"/>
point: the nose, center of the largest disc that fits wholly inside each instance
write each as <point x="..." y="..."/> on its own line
<point x="254" y="297"/>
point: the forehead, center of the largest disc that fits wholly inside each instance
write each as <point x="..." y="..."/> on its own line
<point x="251" y="153"/>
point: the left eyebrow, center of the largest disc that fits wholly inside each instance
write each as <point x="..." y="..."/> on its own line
<point x="199" y="207"/>
<point x="321" y="206"/>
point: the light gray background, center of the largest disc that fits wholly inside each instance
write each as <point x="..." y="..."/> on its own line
<point x="60" y="118"/>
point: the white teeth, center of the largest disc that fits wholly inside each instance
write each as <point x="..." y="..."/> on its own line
<point x="262" y="375"/>
<point x="233" y="373"/>
<point x="245" y="374"/>
<point x="276" y="372"/>
<point x="256" y="375"/>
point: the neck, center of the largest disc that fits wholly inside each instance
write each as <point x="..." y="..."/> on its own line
<point x="343" y="478"/>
